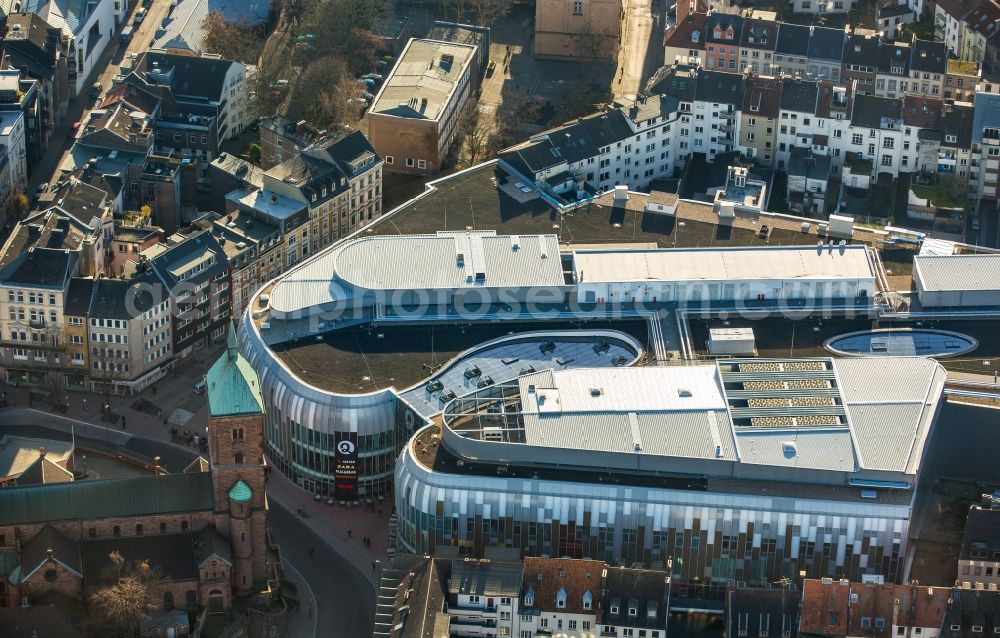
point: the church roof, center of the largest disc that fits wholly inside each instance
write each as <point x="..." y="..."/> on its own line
<point x="232" y="385"/>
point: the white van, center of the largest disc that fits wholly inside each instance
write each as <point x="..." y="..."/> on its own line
<point x="199" y="388"/>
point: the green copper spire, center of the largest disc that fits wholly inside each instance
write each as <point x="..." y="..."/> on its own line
<point x="232" y="385"/>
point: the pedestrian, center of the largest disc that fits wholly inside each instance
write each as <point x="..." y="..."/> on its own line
<point x="84" y="404"/>
<point x="374" y="565"/>
<point x="123" y="423"/>
<point x="348" y="533"/>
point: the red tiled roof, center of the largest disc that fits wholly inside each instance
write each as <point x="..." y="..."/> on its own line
<point x="546" y="577"/>
<point x="922" y="112"/>
<point x="762" y="96"/>
<point x="824" y="608"/>
<point x="680" y="35"/>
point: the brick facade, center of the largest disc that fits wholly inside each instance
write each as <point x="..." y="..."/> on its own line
<point x="51" y="576"/>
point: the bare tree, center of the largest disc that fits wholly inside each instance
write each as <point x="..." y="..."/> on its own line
<point x="127" y="598"/>
<point x="228" y="40"/>
<point x="489" y="10"/>
<point x="476" y="131"/>
<point x="460" y="8"/>
<point x="514" y="113"/>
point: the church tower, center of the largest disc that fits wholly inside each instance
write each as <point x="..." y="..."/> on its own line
<point x="236" y="457"/>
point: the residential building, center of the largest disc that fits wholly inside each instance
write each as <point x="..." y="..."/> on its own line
<point x="985" y="164"/>
<point x="979" y="556"/>
<point x="860" y="62"/>
<point x="823" y="6"/>
<point x="717" y="97"/>
<point x="635" y="602"/>
<point x="32" y="298"/>
<point x="960" y="81"/>
<point x="21" y="93"/>
<point x="892" y="16"/>
<point x="842" y="609"/>
<point x="578" y="29"/>
<point x="35" y="46"/>
<point x="483" y="598"/>
<point x="119" y="127"/>
<point x="757" y="43"/>
<point x="685" y="42"/>
<point x="561" y="596"/>
<point x="991" y="58"/>
<point x="13" y="157"/>
<point x="955" y="153"/>
<point x="928" y="67"/>
<point x="949" y="22"/>
<point x="723" y="34"/>
<point x="76" y="307"/>
<point x="972" y="612"/>
<point x="254" y="248"/>
<point x="806" y="187"/>
<point x="893" y="76"/>
<point x="205" y="531"/>
<point x="792" y="50"/>
<point x="130" y="334"/>
<point x="127" y="243"/>
<point x="202" y="86"/>
<point x="58" y="228"/>
<point x="798" y="122"/>
<point x="826" y="53"/>
<point x="156" y="182"/>
<point x="978" y="27"/>
<point x="196" y="275"/>
<point x="339" y="179"/>
<point x="414" y="118"/>
<point x="762" y="612"/>
<point x="877" y="131"/>
<point x="759" y="119"/>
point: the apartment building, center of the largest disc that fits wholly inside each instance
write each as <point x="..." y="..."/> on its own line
<point x="892" y="77"/>
<point x="195" y="273"/>
<point x="483" y="598"/>
<point x="979" y="556"/>
<point x="791" y="53"/>
<point x="714" y="118"/>
<point x="928" y="67"/>
<point x="32" y="297"/>
<point x="13" y="167"/>
<point x="762" y="613"/>
<point x="861" y="60"/>
<point x="34" y="46"/>
<point x="844" y="609"/>
<point x="960" y="81"/>
<point x="949" y="22"/>
<point x="578" y="28"/>
<point x="826" y="53"/>
<point x="129" y="334"/>
<point x="561" y="597"/>
<point x="821" y="7"/>
<point x="985" y="165"/>
<point x="757" y="43"/>
<point x="723" y="34"/>
<point x="75" y="310"/>
<point x="254" y="248"/>
<point x="685" y="42"/>
<point x="57" y="228"/>
<point x="413" y="119"/>
<point x="978" y="26"/>
<point x="635" y="602"/>
<point x="759" y="119"/>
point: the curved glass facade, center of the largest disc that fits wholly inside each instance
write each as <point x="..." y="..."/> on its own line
<point x="718" y="536"/>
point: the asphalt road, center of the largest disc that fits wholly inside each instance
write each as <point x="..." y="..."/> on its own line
<point x="344" y="598"/>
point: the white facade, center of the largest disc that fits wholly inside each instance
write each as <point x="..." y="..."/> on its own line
<point x="14" y="172"/>
<point x="87" y="40"/>
<point x="823" y="6"/>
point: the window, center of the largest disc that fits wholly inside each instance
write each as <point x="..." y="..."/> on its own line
<point x="856" y="138"/>
<point x="117" y="531"/>
<point x="168" y="600"/>
<point x="184" y="526"/>
<point x="888" y="142"/>
<point x="572" y="624"/>
<point x="409" y="162"/>
<point x="92" y="532"/>
<point x="238" y="458"/>
<point x="163" y="528"/>
<point x="887" y="160"/>
<point x="138" y="529"/>
<point x="421" y="164"/>
<point x="388" y="159"/>
<point x="578" y="8"/>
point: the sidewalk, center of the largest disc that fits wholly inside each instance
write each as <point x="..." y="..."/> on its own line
<point x="332" y="522"/>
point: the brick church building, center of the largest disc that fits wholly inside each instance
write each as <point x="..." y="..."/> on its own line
<point x="204" y="528"/>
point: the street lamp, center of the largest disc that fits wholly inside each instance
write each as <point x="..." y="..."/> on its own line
<point x="85" y="465"/>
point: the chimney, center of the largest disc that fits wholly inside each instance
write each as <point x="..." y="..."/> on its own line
<point x="41" y="453"/>
<point x="683" y="9"/>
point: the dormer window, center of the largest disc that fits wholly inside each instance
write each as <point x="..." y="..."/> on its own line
<point x="615" y="606"/>
<point x="561" y="598"/>
<point x="633" y="611"/>
<point x="695" y="36"/>
<point x="588" y="600"/>
<point x="529" y="597"/>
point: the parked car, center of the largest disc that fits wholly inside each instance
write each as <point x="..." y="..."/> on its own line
<point x="41" y="190"/>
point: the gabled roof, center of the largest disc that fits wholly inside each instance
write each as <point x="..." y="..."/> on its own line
<point x="871" y="111"/>
<point x="983" y="19"/>
<point x="799" y="96"/>
<point x="573" y="142"/>
<point x="122" y="298"/>
<point x="18" y="453"/>
<point x="172" y="554"/>
<point x="793" y="39"/>
<point x="232" y="385"/>
<point x="689" y="34"/>
<point x="894" y="55"/>
<point x="191" y="77"/>
<point x="351" y="152"/>
<point x="922" y="112"/>
<point x="752" y="610"/>
<point x="719" y="25"/>
<point x="191" y="253"/>
<point x="759" y="34"/>
<point x="35" y="552"/>
<point x="826" y="43"/>
<point x="862" y="50"/>
<point x="647" y="589"/>
<point x="79" y="500"/>
<point x="550" y="578"/>
<point x="957" y="121"/>
<point x="133" y="95"/>
<point x="675" y="81"/>
<point x="929" y="57"/>
<point x="200" y="464"/>
<point x="485" y="578"/>
<point x="825" y="607"/>
<point x="44" y="471"/>
<point x="210" y="543"/>
<point x="77" y="298"/>
<point x="718" y="87"/>
<point x="41" y="267"/>
<point x="762" y="97"/>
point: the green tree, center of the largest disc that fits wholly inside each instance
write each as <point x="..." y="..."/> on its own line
<point x="253" y="153"/>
